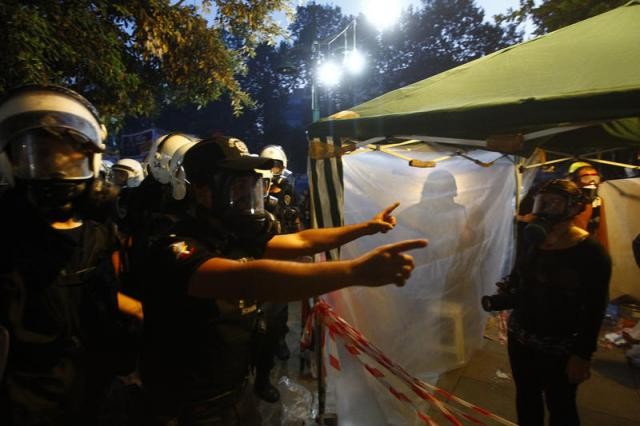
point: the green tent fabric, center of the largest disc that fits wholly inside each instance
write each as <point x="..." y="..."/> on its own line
<point x="589" y="71"/>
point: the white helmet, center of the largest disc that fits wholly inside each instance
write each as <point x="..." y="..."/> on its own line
<point x="127" y="172"/>
<point x="276" y="153"/>
<point x="45" y="123"/>
<point x="267" y="177"/>
<point x="105" y="169"/>
<point x="165" y="162"/>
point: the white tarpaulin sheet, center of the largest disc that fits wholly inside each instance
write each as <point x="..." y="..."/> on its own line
<point x="622" y="212"/>
<point x="434" y="323"/>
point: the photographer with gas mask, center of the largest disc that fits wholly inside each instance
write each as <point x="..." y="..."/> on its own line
<point x="57" y="286"/>
<point x="206" y="273"/>
<point x="558" y="292"/>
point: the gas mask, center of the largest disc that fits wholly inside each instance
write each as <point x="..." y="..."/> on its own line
<point x="280" y="173"/>
<point x="588" y="181"/>
<point x="536" y="231"/>
<point x="56" y="174"/>
<point x="238" y="201"/>
<point x="53" y="139"/>
<point x="550" y="208"/>
<point x="57" y="200"/>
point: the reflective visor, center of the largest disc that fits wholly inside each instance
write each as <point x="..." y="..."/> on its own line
<point x="550" y="204"/>
<point x="277" y="168"/>
<point x="119" y="176"/>
<point x="39" y="154"/>
<point x="245" y="194"/>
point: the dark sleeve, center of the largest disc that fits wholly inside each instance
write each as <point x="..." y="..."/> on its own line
<point x="179" y="258"/>
<point x="596" y="273"/>
<point x="100" y="241"/>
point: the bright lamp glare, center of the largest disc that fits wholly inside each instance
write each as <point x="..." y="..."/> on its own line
<point x="329" y="73"/>
<point x="354" y="61"/>
<point x="382" y="13"/>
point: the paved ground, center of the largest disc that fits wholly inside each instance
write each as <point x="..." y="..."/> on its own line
<point x="610" y="398"/>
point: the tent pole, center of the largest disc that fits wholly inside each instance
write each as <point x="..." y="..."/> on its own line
<point x="613" y="163"/>
<point x="518" y="170"/>
<point x="545" y="163"/>
<point x="322" y="391"/>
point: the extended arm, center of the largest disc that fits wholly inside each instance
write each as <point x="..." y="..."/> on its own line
<point x="311" y="241"/>
<point x="130" y="306"/>
<point x="273" y="280"/>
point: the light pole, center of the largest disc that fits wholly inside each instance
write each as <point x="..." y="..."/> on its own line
<point x="315" y="107"/>
<point x="354" y="62"/>
<point x="327" y="72"/>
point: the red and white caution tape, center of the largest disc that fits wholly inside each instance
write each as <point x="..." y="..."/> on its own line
<point x="375" y="362"/>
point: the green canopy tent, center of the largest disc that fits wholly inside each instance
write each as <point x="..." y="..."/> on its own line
<point x="575" y="90"/>
<point x="587" y="72"/>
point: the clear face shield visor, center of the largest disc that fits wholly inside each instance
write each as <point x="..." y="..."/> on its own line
<point x="42" y="155"/>
<point x="278" y="172"/>
<point x="119" y="176"/>
<point x="550" y="204"/>
<point x="244" y="194"/>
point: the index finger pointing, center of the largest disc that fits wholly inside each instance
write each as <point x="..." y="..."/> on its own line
<point x="389" y="209"/>
<point x="406" y="245"/>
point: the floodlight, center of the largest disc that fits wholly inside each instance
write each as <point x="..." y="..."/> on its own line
<point x="353" y="61"/>
<point x="329" y="73"/>
<point x="382" y="13"/>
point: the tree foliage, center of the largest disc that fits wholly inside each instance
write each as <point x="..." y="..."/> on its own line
<point x="427" y="40"/>
<point x="438" y="36"/>
<point x="134" y="57"/>
<point x="551" y="15"/>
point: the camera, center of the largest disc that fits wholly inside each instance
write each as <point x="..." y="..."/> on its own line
<point x="505" y="298"/>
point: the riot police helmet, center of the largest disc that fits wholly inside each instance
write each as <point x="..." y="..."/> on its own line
<point x="279" y="170"/>
<point x="53" y="139"/>
<point x="127" y="172"/>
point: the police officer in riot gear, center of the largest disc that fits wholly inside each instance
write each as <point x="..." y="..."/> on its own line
<point x="206" y="273"/>
<point x="281" y="190"/>
<point x="127" y="173"/>
<point x="279" y="201"/>
<point x="57" y="293"/>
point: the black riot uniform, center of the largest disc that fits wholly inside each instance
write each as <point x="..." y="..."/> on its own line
<point x="276" y="314"/>
<point x="57" y="285"/>
<point x="58" y="302"/>
<point x="196" y="352"/>
<point x="285" y="210"/>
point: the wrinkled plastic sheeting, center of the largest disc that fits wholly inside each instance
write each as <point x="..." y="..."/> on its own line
<point x="621" y="200"/>
<point x="298" y="403"/>
<point x="435" y="321"/>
